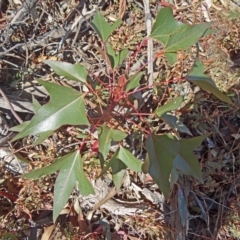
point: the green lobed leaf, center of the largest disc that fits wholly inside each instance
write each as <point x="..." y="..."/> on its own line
<point x="103" y="28"/>
<point x="122" y="56"/>
<point x="174" y="176"/>
<point x="185" y="37"/>
<point x="162" y="149"/>
<point x="71" y="172"/>
<point x="180" y="167"/>
<point x="171" y="57"/>
<point x="202" y="80"/>
<point x="106" y="135"/>
<point x="186" y="154"/>
<point x="76" y="72"/>
<point x="170" y="106"/>
<point x="166" y="152"/>
<point x="175" y="35"/>
<point x="122" y="159"/>
<point x="209" y="32"/>
<point x="19" y="127"/>
<point x="186" y="162"/>
<point x="165" y="25"/>
<point x="129" y="160"/>
<point x="175" y="124"/>
<point x="111" y="55"/>
<point x="36" y="105"/>
<point x="182" y="206"/>
<point x="42" y="137"/>
<point x="118" y="171"/>
<point x="19" y="157"/>
<point x="54" y="167"/>
<point x="111" y="163"/>
<point x="134" y="81"/>
<point x="114" y="58"/>
<point x="66" y="106"/>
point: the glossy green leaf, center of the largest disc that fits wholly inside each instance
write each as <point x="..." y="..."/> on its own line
<point x="171" y="57"/>
<point x="121" y="56"/>
<point x="186" y="162"/>
<point x="165" y="151"/>
<point x="182" y="207"/>
<point x="170" y="106"/>
<point x="162" y="149"/>
<point x="19" y="127"/>
<point x="19" y="157"/>
<point x="42" y="137"/>
<point x="175" y="124"/>
<point x="111" y="163"/>
<point x="180" y="167"/>
<point x="103" y="28"/>
<point x="202" y="80"/>
<point x="75" y="72"/>
<point x="54" y="167"/>
<point x="126" y="158"/>
<point x="165" y="25"/>
<point x="115" y="59"/>
<point x="186" y="155"/>
<point x="134" y="81"/>
<point x="66" y="106"/>
<point x="129" y="160"/>
<point x="174" y="176"/>
<point x="185" y="37"/>
<point x="71" y="172"/>
<point x="175" y="35"/>
<point x="119" y="162"/>
<point x="118" y="171"/>
<point x="69" y="175"/>
<point x="36" y="105"/>
<point x="209" y="32"/>
<point x="111" y="55"/>
<point x="106" y="135"/>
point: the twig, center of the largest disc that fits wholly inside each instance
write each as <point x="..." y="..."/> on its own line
<point x="110" y="194"/>
<point x="10" y="106"/>
<point x="150" y="42"/>
<point x="12" y="48"/>
<point x="7" y="138"/>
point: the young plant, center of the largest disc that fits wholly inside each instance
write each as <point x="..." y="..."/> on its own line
<point x="108" y="106"/>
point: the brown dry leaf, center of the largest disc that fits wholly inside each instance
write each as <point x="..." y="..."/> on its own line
<point x="47" y="232"/>
<point x="83" y="227"/>
<point x="210" y="155"/>
<point x="236" y="136"/>
<point x="42" y="58"/>
<point x="231" y="127"/>
<point x="122" y="8"/>
<point x="132" y="238"/>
